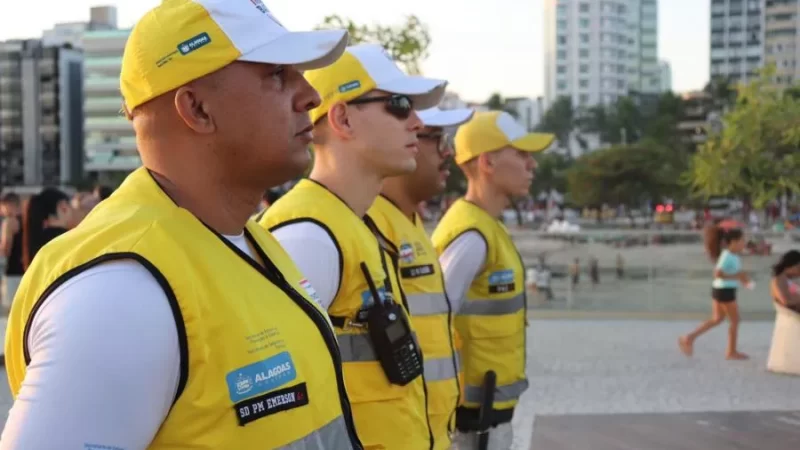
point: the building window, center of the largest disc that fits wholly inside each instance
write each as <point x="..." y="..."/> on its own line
<point x="562" y="40"/>
<point x="584" y="83"/>
<point x="584" y="7"/>
<point x="562" y="85"/>
<point x="584" y="68"/>
<point x="562" y="54"/>
<point x="584" y="53"/>
<point x="562" y="69"/>
<point x="585" y="23"/>
<point x="584" y="99"/>
<point x="562" y="24"/>
<point x="584" y="38"/>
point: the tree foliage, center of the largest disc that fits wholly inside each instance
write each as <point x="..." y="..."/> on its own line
<point x="627" y="175"/>
<point x="407" y="43"/>
<point x="559" y="120"/>
<point x="757" y="153"/>
<point x="551" y="173"/>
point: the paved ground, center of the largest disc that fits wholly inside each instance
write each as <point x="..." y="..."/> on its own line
<point x="579" y="367"/>
<point x="634" y="366"/>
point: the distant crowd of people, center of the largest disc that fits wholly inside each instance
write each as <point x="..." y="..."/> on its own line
<point x="31" y="223"/>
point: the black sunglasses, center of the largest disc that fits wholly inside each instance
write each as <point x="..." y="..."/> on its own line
<point x="442" y="138"/>
<point x="400" y="106"/>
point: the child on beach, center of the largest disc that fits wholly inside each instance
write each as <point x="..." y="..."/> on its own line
<point x="723" y="245"/>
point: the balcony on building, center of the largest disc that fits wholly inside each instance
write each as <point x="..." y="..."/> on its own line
<point x="105" y="41"/>
<point x="115" y="125"/>
<point x="119" y="145"/>
<point x="110" y="65"/>
<point x="101" y="85"/>
<point x="111" y="162"/>
<point x="105" y="106"/>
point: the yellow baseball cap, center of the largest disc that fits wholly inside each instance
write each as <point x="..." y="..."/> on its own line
<point x="367" y="67"/>
<point x="180" y="41"/>
<point x="493" y="130"/>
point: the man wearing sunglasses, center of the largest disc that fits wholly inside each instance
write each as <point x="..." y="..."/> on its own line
<point x="365" y="130"/>
<point x="394" y="212"/>
<point x="484" y="273"/>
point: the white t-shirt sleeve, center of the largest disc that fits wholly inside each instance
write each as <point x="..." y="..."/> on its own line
<point x="316" y="255"/>
<point x="461" y="262"/>
<point x="104" y="364"/>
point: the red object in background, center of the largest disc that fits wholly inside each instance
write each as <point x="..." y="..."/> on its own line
<point x="731" y="224"/>
<point x="660" y="208"/>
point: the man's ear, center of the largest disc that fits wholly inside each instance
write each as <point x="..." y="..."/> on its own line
<point x="339" y="121"/>
<point x="194" y="111"/>
<point x="486" y="162"/>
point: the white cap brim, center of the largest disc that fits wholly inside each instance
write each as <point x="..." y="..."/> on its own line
<point x="435" y="117"/>
<point x="305" y="50"/>
<point x="424" y="92"/>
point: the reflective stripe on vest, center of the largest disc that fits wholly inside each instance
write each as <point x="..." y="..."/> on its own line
<point x="428" y="304"/>
<point x="358" y="347"/>
<point x="332" y="435"/>
<point x="505" y="393"/>
<point x="493" y="307"/>
<point x="439" y="369"/>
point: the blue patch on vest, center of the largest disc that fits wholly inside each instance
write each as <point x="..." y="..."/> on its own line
<point x="501" y="277"/>
<point x="260" y="377"/>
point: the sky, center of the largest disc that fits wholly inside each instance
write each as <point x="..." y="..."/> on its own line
<point x="480" y="47"/>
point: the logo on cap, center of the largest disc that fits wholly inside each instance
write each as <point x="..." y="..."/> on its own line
<point x="194" y="43"/>
<point x="347" y="87"/>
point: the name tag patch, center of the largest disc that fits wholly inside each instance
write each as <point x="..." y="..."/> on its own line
<point x="417" y="271"/>
<point x="501" y="281"/>
<point x="261" y="377"/>
<point x="271" y="403"/>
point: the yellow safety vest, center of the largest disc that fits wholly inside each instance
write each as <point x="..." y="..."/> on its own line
<point x="387" y="416"/>
<point x="492" y="319"/>
<point x="254" y="373"/>
<point x="423" y="285"/>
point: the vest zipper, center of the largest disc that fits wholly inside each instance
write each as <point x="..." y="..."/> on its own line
<point x="271" y="272"/>
<point x="333" y="348"/>
<point x="388" y="285"/>
<point x="450" y="325"/>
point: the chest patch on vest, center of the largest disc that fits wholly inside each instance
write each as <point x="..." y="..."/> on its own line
<point x="271" y="403"/>
<point x="501" y="281"/>
<point x="261" y="377"/>
<point x="417" y="271"/>
<point x="406" y="253"/>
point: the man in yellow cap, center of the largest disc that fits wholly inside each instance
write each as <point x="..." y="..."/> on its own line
<point x="394" y="213"/>
<point x="365" y="130"/>
<point x="166" y="319"/>
<point x="484" y="273"/>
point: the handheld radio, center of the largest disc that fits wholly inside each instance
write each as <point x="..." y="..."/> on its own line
<point x="392" y="339"/>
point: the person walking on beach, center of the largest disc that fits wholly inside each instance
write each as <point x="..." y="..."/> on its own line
<point x="724" y="244"/>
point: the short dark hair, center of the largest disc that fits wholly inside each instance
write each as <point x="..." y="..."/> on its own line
<point x="10" y="197"/>
<point x="103" y="191"/>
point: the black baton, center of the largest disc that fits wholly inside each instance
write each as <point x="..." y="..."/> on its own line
<point x="485" y="413"/>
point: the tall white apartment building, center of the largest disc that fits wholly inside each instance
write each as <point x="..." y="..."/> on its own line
<point x="737" y="39"/>
<point x="782" y="40"/>
<point x="599" y="50"/>
<point x="110" y="141"/>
